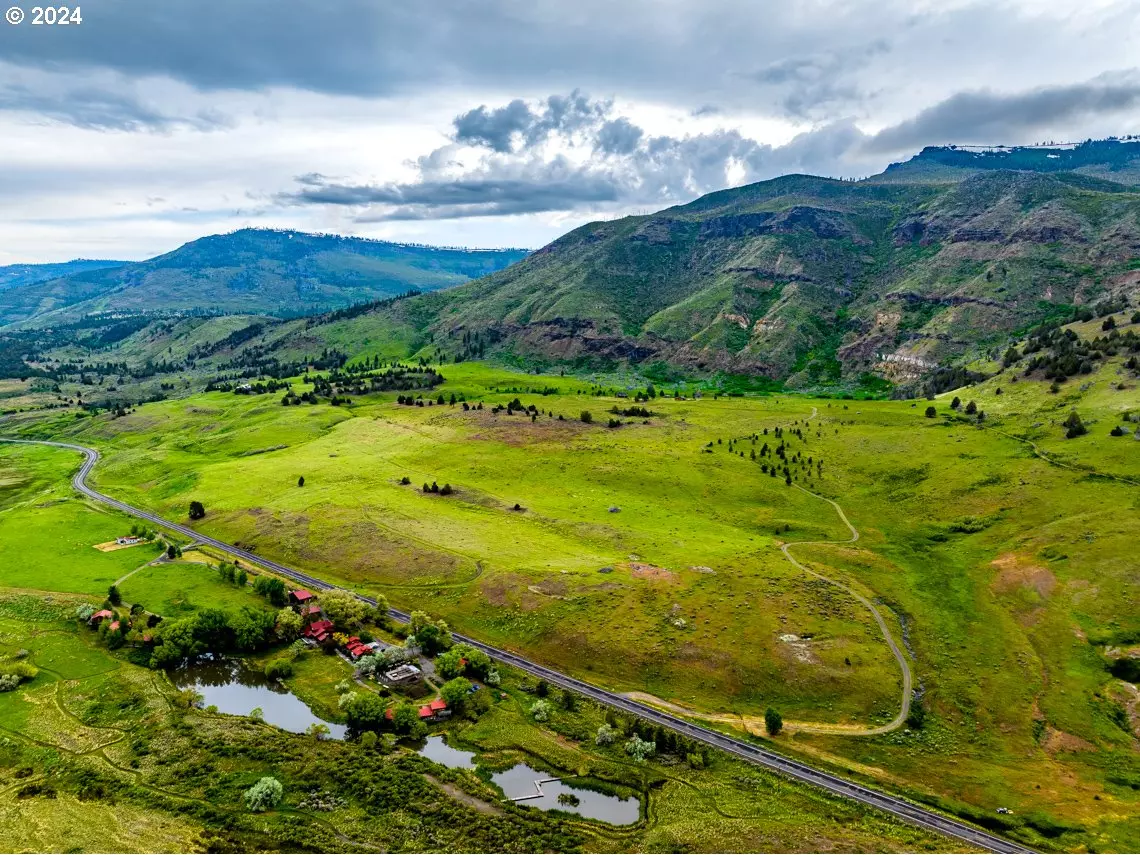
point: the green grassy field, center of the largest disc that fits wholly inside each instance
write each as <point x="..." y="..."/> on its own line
<point x="1000" y="554"/>
<point x="177" y="588"/>
<point x="48" y="534"/>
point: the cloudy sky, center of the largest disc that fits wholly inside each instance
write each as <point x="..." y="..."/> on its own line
<point x="508" y="122"/>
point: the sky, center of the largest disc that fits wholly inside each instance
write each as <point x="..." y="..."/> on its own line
<point x="509" y="122"/>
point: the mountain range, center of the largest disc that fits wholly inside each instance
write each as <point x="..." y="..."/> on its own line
<point x="811" y="281"/>
<point x="263" y="271"/>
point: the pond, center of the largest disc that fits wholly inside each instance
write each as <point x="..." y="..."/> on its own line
<point x="236" y="688"/>
<point x="520" y="780"/>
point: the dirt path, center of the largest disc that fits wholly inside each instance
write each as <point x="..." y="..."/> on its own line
<point x="755" y="724"/>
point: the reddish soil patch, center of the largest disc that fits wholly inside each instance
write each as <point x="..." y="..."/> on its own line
<point x="1057" y="741"/>
<point x="1018" y="571"/>
<point x="641" y="570"/>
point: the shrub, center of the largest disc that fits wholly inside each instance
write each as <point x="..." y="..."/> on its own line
<point x="264" y="795"/>
<point x="197" y="510"/>
<point x="278" y="669"/>
<point x="1073" y="426"/>
<point x="586" y="417"/>
<point x="640" y="749"/>
<point x="605" y="735"/>
<point x="931" y="412"/>
<point x="773" y="722"/>
<point x="540" y="710"/>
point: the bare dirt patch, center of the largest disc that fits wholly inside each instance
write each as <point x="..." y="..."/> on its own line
<point x="642" y="570"/>
<point x="1018" y="571"/>
<point x="113" y="546"/>
<point x="1057" y="741"/>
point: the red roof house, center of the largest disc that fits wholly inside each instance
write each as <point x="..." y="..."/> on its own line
<point x="114" y="626"/>
<point x="99" y="615"/>
<point x="300" y="596"/>
<point x="438" y="704"/>
<point x="426" y="713"/>
<point x="318" y="630"/>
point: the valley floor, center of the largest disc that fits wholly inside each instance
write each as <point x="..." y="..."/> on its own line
<point x="653" y="558"/>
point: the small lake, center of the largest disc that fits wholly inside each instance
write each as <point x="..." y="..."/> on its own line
<point x="236" y="688"/>
<point x="520" y="779"/>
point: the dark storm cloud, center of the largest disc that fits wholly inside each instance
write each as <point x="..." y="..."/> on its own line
<point x="683" y="53"/>
<point x="619" y="136"/>
<point x="556" y="186"/>
<point x="516" y="124"/>
<point x="513" y="177"/>
<point x="989" y="117"/>
<point x="103" y="110"/>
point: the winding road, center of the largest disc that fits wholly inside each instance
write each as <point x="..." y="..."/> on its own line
<point x="899" y="807"/>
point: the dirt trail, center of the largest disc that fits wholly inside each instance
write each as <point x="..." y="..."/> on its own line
<point x="755" y="724"/>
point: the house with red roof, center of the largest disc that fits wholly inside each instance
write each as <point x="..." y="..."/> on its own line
<point x="319" y="631"/>
<point x="435" y="711"/>
<point x="301" y="597"/>
<point x="99" y="617"/>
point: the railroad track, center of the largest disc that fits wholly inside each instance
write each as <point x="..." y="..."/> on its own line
<point x="895" y="805"/>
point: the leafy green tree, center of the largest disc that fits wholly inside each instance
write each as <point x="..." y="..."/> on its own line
<point x="916" y="717"/>
<point x="241" y="577"/>
<point x="197" y="510"/>
<point x="971" y="408"/>
<point x="265" y="795"/>
<point x="318" y="730"/>
<point x="176" y="640"/>
<point x="931" y="412"/>
<point x="288" y="624"/>
<point x="455" y="692"/>
<point x="640" y="749"/>
<point x="569" y="700"/>
<point x="956" y="403"/>
<point x="542" y="689"/>
<point x="113" y="596"/>
<point x="343" y="608"/>
<point x="301" y="481"/>
<point x="605" y="736"/>
<point x="773" y="722"/>
<point x="406" y="719"/>
<point x="368" y="739"/>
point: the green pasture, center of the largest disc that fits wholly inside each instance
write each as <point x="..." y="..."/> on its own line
<point x="48" y="534"/>
<point x="177" y="588"/>
<point x="1000" y="553"/>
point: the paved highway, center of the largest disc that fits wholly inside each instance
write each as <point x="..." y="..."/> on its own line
<point x="752" y="753"/>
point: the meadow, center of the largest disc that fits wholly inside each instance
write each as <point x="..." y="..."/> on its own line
<point x="644" y="559"/>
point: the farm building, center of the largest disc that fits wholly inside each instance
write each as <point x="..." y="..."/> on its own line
<point x="402" y="675"/>
<point x="435" y="711"/>
<point x="128" y="541"/>
<point x="301" y="597"/>
<point x="99" y="617"/>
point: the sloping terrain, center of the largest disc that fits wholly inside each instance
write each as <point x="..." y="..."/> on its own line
<point x="807" y="278"/>
<point x="255" y="271"/>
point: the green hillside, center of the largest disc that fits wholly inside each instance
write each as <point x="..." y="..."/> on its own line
<point x="255" y="271"/>
<point x="810" y="279"/>
<point x="17" y="275"/>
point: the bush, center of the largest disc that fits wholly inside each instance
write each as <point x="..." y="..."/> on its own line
<point x="540" y="710"/>
<point x="1073" y="426"/>
<point x="586" y="417"/>
<point x="197" y="512"/>
<point x="278" y="669"/>
<point x="773" y="722"/>
<point x="605" y="736"/>
<point x="640" y="749"/>
<point x="264" y="795"/>
<point x="931" y="412"/>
